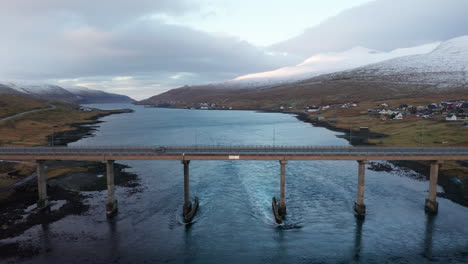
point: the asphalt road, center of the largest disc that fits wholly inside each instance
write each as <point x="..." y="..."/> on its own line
<point x="27" y="112"/>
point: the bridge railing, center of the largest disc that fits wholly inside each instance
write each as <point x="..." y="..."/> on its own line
<point x="234" y="149"/>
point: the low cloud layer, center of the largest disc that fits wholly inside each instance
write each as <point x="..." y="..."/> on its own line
<point x="383" y="25"/>
<point x="72" y="42"/>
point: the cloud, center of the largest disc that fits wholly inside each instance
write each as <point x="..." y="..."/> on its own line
<point x="383" y="25"/>
<point x="57" y="40"/>
<point x="128" y="46"/>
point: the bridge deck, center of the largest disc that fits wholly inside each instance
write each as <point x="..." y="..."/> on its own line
<point x="233" y="153"/>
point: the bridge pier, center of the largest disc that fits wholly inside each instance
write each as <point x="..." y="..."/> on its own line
<point x="431" y="205"/>
<point x="43" y="201"/>
<point x="359" y="206"/>
<point x="279" y="210"/>
<point x="187" y="202"/>
<point x="188" y="210"/>
<point x="111" y="206"/>
<point x="282" y="205"/>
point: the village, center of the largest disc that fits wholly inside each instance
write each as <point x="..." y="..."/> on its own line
<point x="446" y="110"/>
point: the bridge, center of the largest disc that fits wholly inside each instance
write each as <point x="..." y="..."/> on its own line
<point x="283" y="154"/>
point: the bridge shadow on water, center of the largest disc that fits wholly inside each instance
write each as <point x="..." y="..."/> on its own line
<point x="427" y="241"/>
<point x="428" y="236"/>
<point x="114" y="239"/>
<point x="358" y="239"/>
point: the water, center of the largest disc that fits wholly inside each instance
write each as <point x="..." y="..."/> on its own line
<point x="234" y="223"/>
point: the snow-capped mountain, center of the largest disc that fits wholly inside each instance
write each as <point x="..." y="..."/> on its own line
<point x="432" y="70"/>
<point x="445" y="66"/>
<point x="45" y="91"/>
<point x="42" y="90"/>
<point x="326" y="63"/>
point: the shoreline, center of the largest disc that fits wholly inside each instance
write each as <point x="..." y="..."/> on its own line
<point x="80" y="130"/>
<point x="356" y="138"/>
<point x="18" y="212"/>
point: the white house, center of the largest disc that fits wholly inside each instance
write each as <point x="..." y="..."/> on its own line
<point x="85" y="109"/>
<point x="313" y="108"/>
<point x="451" y="117"/>
<point x="399" y="116"/>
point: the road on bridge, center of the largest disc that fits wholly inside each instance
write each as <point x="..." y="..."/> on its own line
<point x="234" y="153"/>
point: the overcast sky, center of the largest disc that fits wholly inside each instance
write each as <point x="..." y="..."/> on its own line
<point x="144" y="47"/>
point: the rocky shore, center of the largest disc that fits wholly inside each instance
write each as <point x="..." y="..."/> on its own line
<point x="66" y="192"/>
<point x="80" y="130"/>
<point x="453" y="188"/>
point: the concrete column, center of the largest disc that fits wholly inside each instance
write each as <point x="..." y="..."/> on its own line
<point x="43" y="201"/>
<point x="282" y="206"/>
<point x="359" y="206"/>
<point x="432" y="205"/>
<point x="187" y="203"/>
<point x="111" y="206"/>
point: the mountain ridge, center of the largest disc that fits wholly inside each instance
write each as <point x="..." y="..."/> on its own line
<point x="441" y="71"/>
<point x="50" y="92"/>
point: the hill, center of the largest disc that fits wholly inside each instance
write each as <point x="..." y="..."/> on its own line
<point x="439" y="73"/>
<point x="50" y="92"/>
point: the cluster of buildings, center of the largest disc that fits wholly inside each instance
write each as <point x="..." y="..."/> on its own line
<point x="450" y="111"/>
<point x="85" y="109"/>
<point x="315" y="108"/>
<point x="212" y="106"/>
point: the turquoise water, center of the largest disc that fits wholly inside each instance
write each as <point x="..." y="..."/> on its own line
<point x="235" y="223"/>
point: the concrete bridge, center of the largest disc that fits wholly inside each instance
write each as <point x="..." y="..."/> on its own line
<point x="280" y="153"/>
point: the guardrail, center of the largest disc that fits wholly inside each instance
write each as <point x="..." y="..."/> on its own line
<point x="233" y="149"/>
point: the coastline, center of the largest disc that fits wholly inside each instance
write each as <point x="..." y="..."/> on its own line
<point x="452" y="190"/>
<point x="80" y="130"/>
<point x="18" y="210"/>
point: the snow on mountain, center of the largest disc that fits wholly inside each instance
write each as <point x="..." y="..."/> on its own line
<point x="35" y="88"/>
<point x="42" y="90"/>
<point x="326" y="63"/>
<point x="449" y="56"/>
<point x="446" y="65"/>
<point x="46" y="91"/>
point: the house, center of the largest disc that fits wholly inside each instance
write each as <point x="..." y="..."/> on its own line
<point x="420" y="108"/>
<point x="384" y="112"/>
<point x="85" y="109"/>
<point x="398" y="116"/>
<point x="387" y="112"/>
<point x="432" y="106"/>
<point x="451" y="117"/>
<point x="313" y="108"/>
